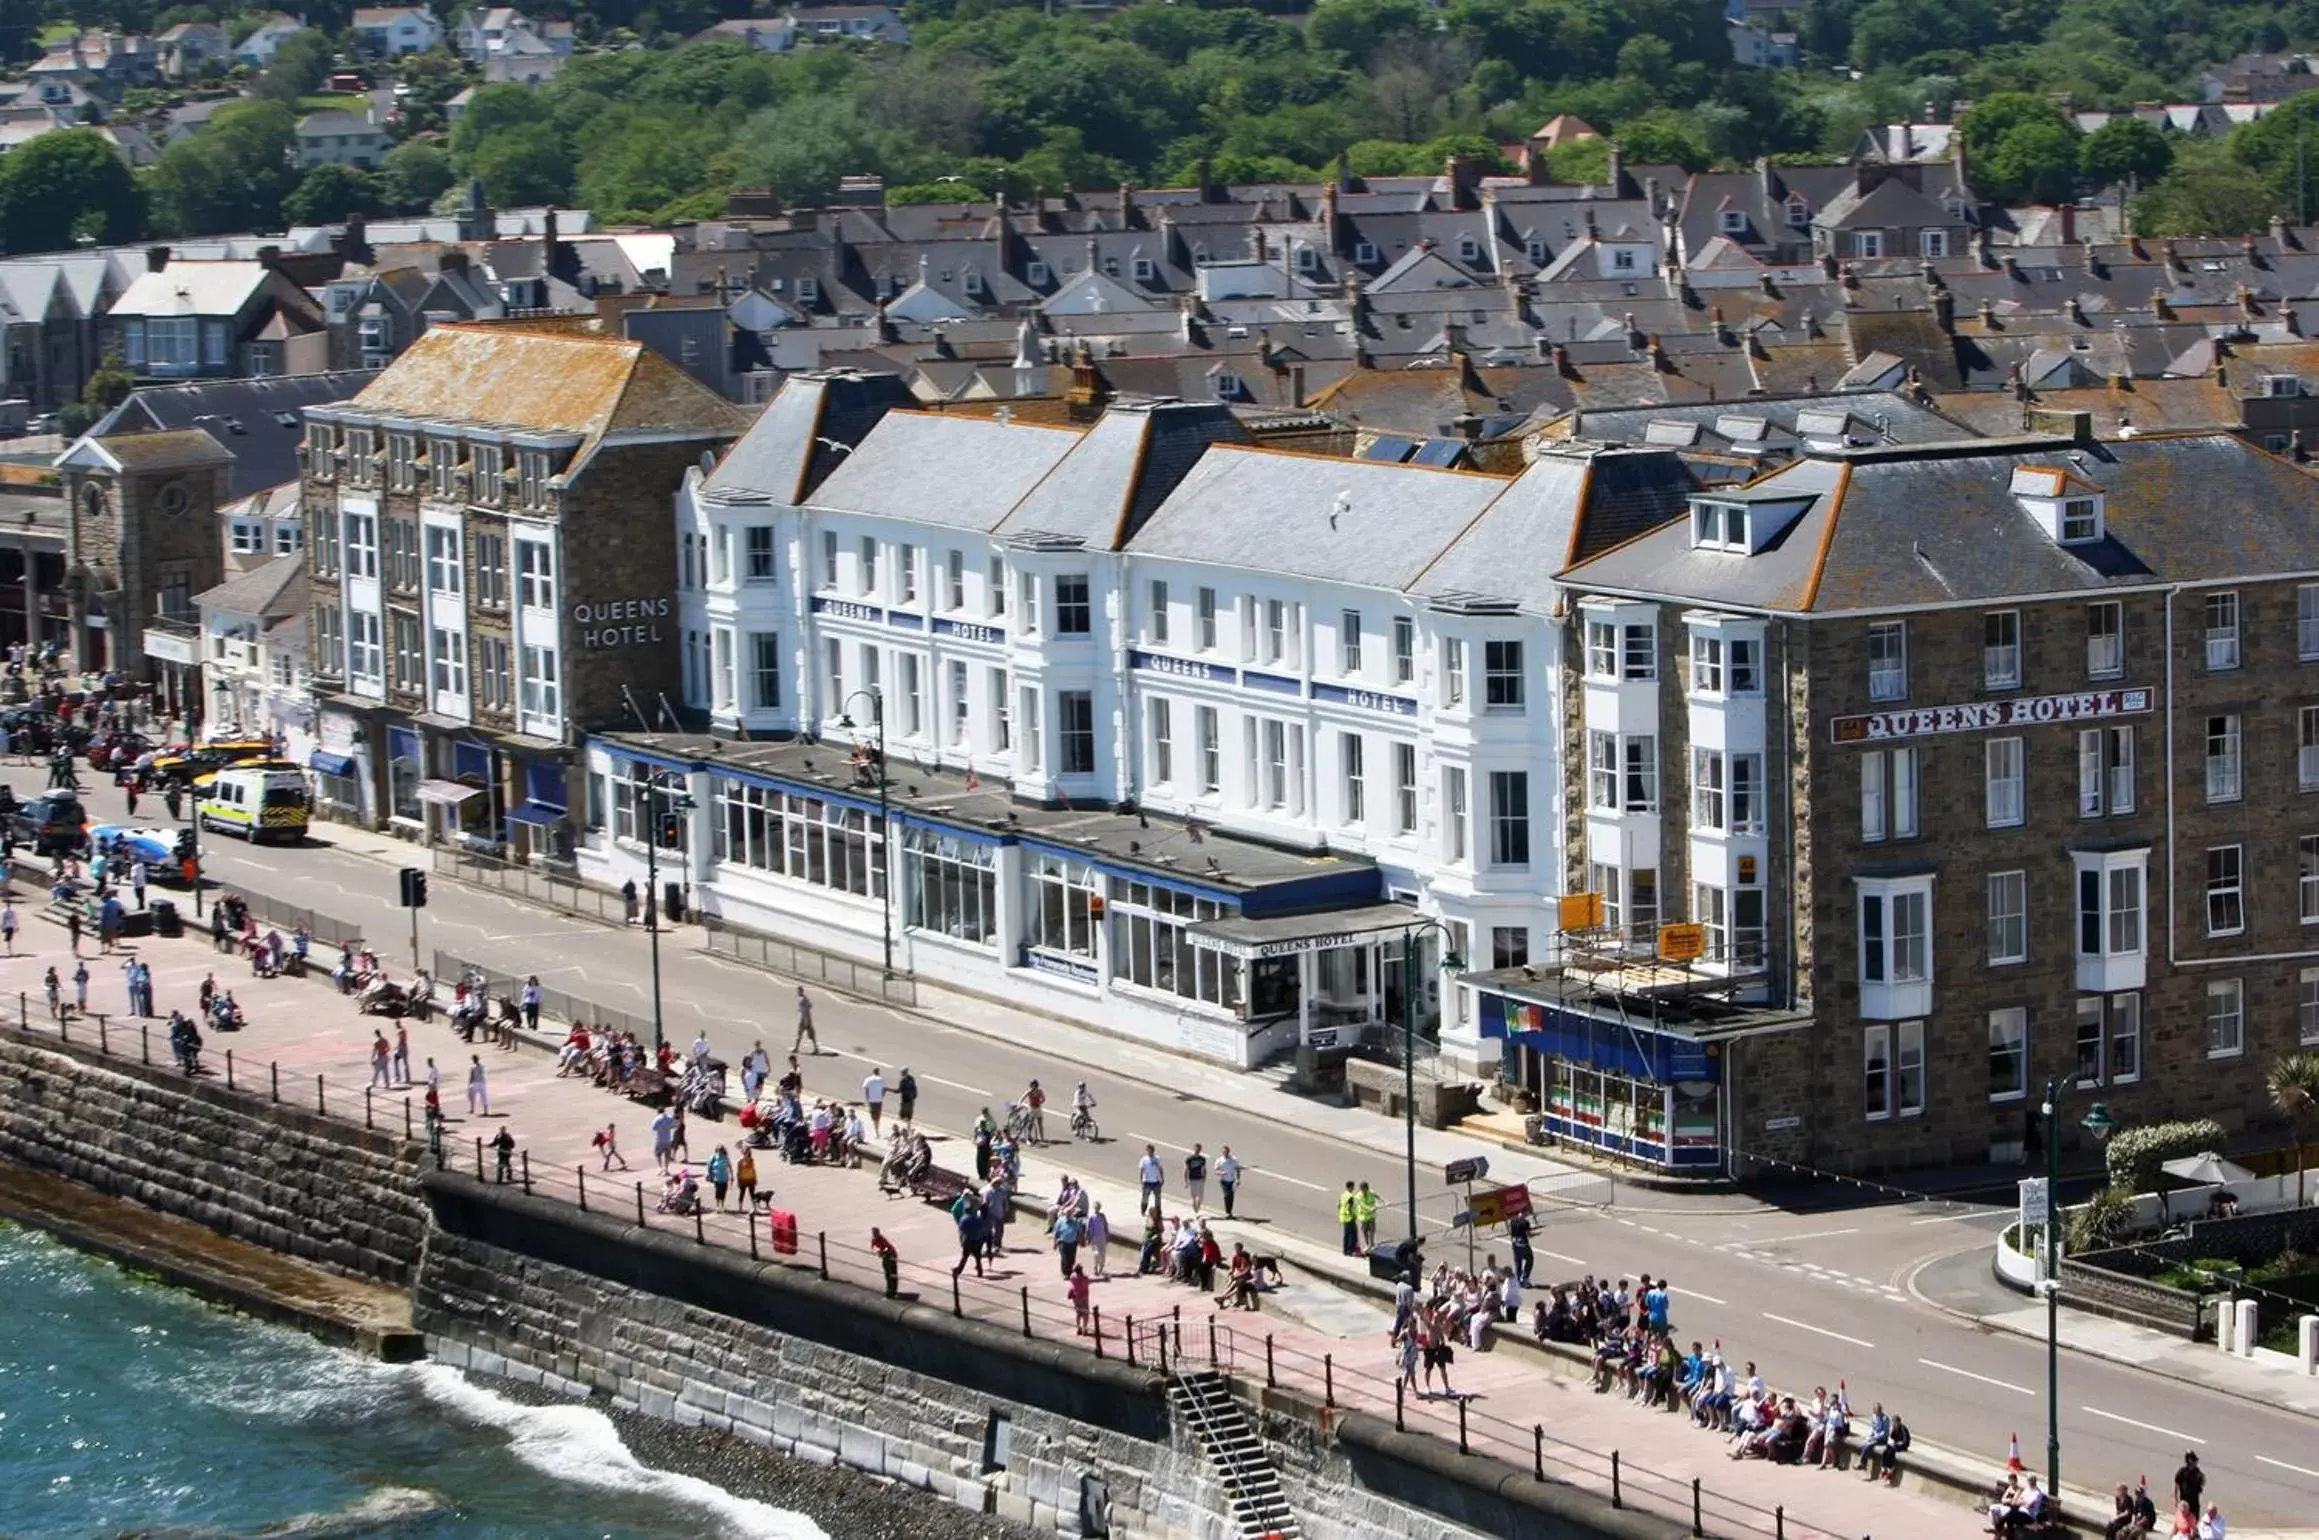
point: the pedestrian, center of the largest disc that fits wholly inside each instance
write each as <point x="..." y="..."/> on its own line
<point x="744" y="1178"/>
<point x="1152" y="1176"/>
<point x="907" y="1090"/>
<point x="805" y="1032"/>
<point x="607" y="1143"/>
<point x="1099" y="1240"/>
<point x="985" y="1133"/>
<point x="1365" y="1206"/>
<point x="55" y="996"/>
<point x="720" y="1175"/>
<point x="874" y="1095"/>
<point x="627" y="898"/>
<point x="663" y="1136"/>
<point x="1228" y="1177"/>
<point x="531" y="999"/>
<point x="967" y="1213"/>
<point x="80" y="989"/>
<point x="504" y="1147"/>
<point x="676" y="1145"/>
<point x="1196" y="1176"/>
<point x="402" y="1054"/>
<point x="1519" y="1228"/>
<point x="8" y="923"/>
<point x="380" y="1056"/>
<point x="72" y="924"/>
<point x="2190" y="1482"/>
<point x="139" y="875"/>
<point x="1065" y="1224"/>
<point x="478" y="1095"/>
<point x="1076" y="1290"/>
<point x="889" y="1260"/>
<point x="1349" y="1219"/>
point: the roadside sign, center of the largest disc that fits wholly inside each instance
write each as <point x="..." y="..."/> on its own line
<point x="1682" y="942"/>
<point x="1471" y="1169"/>
<point x="2035" y="1200"/>
<point x="1500" y="1204"/>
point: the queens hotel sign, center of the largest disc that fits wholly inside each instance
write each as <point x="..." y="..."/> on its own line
<point x="1991" y="715"/>
<point x="620" y="622"/>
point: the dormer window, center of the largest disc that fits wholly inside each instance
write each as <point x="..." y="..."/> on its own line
<point x="972" y="283"/>
<point x="2282" y="385"/>
<point x="1145" y="270"/>
<point x="1731" y="221"/>
<point x="1308" y="259"/>
<point x="1535" y="250"/>
<point x="1468" y="249"/>
<point x="1035" y="274"/>
<point x="1365" y="253"/>
<point x="1799" y="213"/>
<point x="2065" y="505"/>
<point x="809" y="289"/>
<point x="1719" y="527"/>
<point x="2081" y="520"/>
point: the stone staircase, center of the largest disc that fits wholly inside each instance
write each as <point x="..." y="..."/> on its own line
<point x="1259" y="1507"/>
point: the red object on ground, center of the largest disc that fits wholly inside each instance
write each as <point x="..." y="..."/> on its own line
<point x="783" y="1225"/>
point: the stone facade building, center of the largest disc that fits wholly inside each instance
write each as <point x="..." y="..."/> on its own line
<point x="486" y="579"/>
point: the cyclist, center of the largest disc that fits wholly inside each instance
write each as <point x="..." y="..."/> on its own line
<point x="1083" y="1111"/>
<point x="1034" y="1106"/>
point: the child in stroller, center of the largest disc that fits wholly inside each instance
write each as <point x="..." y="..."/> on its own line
<point x="683" y="1194"/>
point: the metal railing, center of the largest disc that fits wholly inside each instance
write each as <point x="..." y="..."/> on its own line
<point x="533" y="884"/>
<point x="809" y="964"/>
<point x="554" y="1004"/>
<point x="327" y="930"/>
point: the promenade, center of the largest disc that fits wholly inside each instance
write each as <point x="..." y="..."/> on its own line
<point x="311" y="1046"/>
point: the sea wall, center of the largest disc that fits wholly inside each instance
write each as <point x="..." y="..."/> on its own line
<point x="341" y="1197"/>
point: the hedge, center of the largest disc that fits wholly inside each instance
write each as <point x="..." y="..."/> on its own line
<point x="2135" y="1154"/>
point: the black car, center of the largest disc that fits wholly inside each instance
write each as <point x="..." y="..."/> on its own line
<point x="53" y="823"/>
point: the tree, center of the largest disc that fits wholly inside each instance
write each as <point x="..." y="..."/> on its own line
<point x="2124" y="150"/>
<point x="2034" y="162"/>
<point x="492" y="109"/>
<point x="231" y="176"/>
<point x="523" y="166"/>
<point x="1997" y="115"/>
<point x="413" y="176"/>
<point x="2278" y="148"/>
<point x="2205" y="196"/>
<point x="108" y="386"/>
<point x="2294" y="1087"/>
<point x="300" y="67"/>
<point x="801" y="148"/>
<point x="328" y="193"/>
<point x="65" y="185"/>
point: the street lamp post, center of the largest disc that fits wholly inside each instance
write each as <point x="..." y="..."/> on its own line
<point x="2099" y="1123"/>
<point x="877" y="700"/>
<point x="657" y="798"/>
<point x="1409" y="1047"/>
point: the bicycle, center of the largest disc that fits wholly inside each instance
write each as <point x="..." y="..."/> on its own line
<point x="1083" y="1126"/>
<point x="1022" y="1122"/>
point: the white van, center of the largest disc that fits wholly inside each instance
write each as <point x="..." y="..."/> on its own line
<point x="259" y="804"/>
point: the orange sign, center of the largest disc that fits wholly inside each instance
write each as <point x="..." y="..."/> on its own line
<point x="1581" y="911"/>
<point x="1682" y="943"/>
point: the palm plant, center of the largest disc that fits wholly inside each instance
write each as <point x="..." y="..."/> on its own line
<point x="2294" y="1087"/>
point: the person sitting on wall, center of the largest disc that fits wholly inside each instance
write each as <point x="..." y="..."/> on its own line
<point x="2222" y="1203"/>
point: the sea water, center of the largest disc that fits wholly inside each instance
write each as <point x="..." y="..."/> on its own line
<point x="128" y="1408"/>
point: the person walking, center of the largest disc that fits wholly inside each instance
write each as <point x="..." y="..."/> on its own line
<point x="8" y="923"/>
<point x="906" y="1091"/>
<point x="805" y="1032"/>
<point x="139" y="875"/>
<point x="531" y="999"/>
<point x="874" y="1096"/>
<point x="607" y="1143"/>
<point x="1349" y="1219"/>
<point x="1228" y="1177"/>
<point x="889" y="1260"/>
<point x="402" y="1054"/>
<point x="627" y="901"/>
<point x="985" y="1134"/>
<point x="1152" y="1176"/>
<point x="80" y="989"/>
<point x="72" y="925"/>
<point x="1196" y="1176"/>
<point x="745" y="1179"/>
<point x="381" y="1055"/>
<point x="503" y="1146"/>
<point x="1099" y="1240"/>
<point x="720" y="1173"/>
<point x="55" y="995"/>
<point x="1067" y="1232"/>
<point x="967" y="1214"/>
<point x="1365" y="1208"/>
<point x="1075" y="1289"/>
<point x="663" y="1136"/>
<point x="478" y="1094"/>
<point x="1519" y="1228"/>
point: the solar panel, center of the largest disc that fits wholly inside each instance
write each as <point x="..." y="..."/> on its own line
<point x="1438" y="452"/>
<point x="1390" y="448"/>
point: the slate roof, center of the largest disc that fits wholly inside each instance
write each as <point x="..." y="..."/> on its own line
<point x="1127" y="463"/>
<point x="273" y="591"/>
<point x="260" y="422"/>
<point x="788" y="451"/>
<point x="1330" y="520"/>
<point x="192" y="289"/>
<point x="1940" y="525"/>
<point x="954" y="471"/>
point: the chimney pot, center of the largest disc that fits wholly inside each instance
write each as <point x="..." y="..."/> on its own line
<point x="156" y="258"/>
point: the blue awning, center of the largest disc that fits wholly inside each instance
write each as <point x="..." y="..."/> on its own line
<point x="323" y="763"/>
<point x="535" y="813"/>
<point x="1599" y="1042"/>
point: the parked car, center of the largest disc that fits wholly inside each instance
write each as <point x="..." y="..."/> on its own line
<point x="53" y="823"/>
<point x="186" y="766"/>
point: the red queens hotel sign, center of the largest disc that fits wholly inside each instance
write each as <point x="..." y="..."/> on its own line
<point x="1990" y="715"/>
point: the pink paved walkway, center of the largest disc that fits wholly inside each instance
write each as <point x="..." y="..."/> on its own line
<point x="307" y="1030"/>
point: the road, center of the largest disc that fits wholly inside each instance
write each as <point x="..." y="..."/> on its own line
<point x="1814" y="1296"/>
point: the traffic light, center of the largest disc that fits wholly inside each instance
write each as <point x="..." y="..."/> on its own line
<point x="184" y="851"/>
<point x="414" y="888"/>
<point x="671" y="830"/>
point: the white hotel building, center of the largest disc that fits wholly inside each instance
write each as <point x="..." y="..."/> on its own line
<point x="1185" y="737"/>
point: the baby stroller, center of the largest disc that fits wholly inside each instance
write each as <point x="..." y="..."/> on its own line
<point x="796" y="1142"/>
<point x="683" y="1195"/>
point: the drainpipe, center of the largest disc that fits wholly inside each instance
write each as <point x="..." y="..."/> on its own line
<point x="2172" y="594"/>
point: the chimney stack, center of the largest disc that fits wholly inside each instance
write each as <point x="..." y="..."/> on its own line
<point x="156" y="258"/>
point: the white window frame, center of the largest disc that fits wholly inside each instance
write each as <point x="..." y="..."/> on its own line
<point x="1156" y="622"/>
<point x="2307" y="1008"/>
<point x="1504" y="688"/>
<point x="2105" y="639"/>
<point x="2307" y="748"/>
<point x="1887" y="660"/>
<point x="2225" y="758"/>
<point x="2008" y="918"/>
<point x="2005" y="787"/>
<point x="2226" y="1018"/>
<point x="2009" y="1036"/>
<point x="1352" y="761"/>
<point x="2001" y="650"/>
<point x="1349" y="643"/>
<point x="2222" y="619"/>
<point x="2105" y="771"/>
<point x="1888" y="794"/>
<point x="1404" y="650"/>
<point x="2307" y="622"/>
<point x="2226" y="890"/>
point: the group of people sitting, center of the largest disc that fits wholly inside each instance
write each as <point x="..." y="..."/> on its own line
<point x="609" y="1058"/>
<point x="1634" y="1347"/>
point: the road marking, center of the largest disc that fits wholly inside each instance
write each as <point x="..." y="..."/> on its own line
<point x="1695" y="1294"/>
<point x="1820" y="1330"/>
<point x="1282" y="1176"/>
<point x="2147" y="1427"/>
<point x="263" y="866"/>
<point x="1815" y="1235"/>
<point x="1559" y="1257"/>
<point x="1163" y="1144"/>
<point x="2283" y="1465"/>
<point x="1950" y="1219"/>
<point x="1970" y="1375"/>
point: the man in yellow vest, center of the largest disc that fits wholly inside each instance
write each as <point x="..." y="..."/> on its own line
<point x="1365" y="1210"/>
<point x="1349" y="1216"/>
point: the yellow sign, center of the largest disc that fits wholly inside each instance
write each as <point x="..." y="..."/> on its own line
<point x="1682" y="943"/>
<point x="1581" y="911"/>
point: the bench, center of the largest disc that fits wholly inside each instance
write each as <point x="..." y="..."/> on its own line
<point x="938" y="1184"/>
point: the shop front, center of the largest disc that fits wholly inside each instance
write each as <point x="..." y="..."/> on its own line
<point x="1339" y="975"/>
